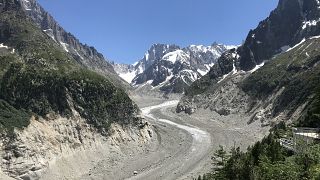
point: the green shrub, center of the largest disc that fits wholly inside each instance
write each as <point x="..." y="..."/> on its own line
<point x="11" y="117"/>
<point x="42" y="78"/>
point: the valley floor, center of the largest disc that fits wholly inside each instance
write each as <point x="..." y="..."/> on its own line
<point x="185" y="143"/>
<point x="181" y="146"/>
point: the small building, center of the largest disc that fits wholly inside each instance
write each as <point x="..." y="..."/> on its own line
<point x="308" y="135"/>
<point x="302" y="137"/>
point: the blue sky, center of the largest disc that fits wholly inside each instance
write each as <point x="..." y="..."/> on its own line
<point x="123" y="30"/>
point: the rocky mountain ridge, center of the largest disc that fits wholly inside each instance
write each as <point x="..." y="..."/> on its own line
<point x="169" y="68"/>
<point x="287" y="25"/>
<point x="263" y="78"/>
<point x="51" y="105"/>
<point x="84" y="54"/>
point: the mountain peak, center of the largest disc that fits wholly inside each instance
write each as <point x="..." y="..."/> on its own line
<point x="287" y="25"/>
<point x="85" y="54"/>
<point x="171" y="68"/>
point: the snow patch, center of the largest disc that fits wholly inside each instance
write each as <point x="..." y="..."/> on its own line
<point x="309" y="23"/>
<point x="232" y="46"/>
<point x="26" y="5"/>
<point x="3" y="46"/>
<point x="202" y="72"/>
<point x="7" y="47"/>
<point x="257" y="67"/>
<point x="140" y="69"/>
<point x="234" y="71"/>
<point x="197" y="134"/>
<point x="49" y="32"/>
<point x="235" y="55"/>
<point x="314" y="37"/>
<point x="79" y="54"/>
<point x="223" y="78"/>
<point x="288" y="48"/>
<point x="303" y="40"/>
<point x="134" y="64"/>
<point x="199" y="48"/>
<point x="175" y="56"/>
<point x="190" y="74"/>
<point x="146" y="56"/>
<point x="208" y="67"/>
<point x="307" y="54"/>
<point x="65" y="46"/>
<point x="128" y="76"/>
<point x="318" y="3"/>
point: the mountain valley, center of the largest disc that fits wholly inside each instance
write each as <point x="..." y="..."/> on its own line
<point x="67" y="112"/>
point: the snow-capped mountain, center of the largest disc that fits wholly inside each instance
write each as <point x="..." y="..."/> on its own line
<point x="171" y="68"/>
<point x="125" y="71"/>
<point x="290" y="23"/>
<point x="281" y="45"/>
<point x="155" y="53"/>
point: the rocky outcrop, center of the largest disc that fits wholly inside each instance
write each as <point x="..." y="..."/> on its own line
<point x="84" y="54"/>
<point x="285" y="48"/>
<point x="227" y="98"/>
<point x="44" y="141"/>
<point x="286" y="26"/>
<point x="72" y="108"/>
<point x="169" y="68"/>
<point x="153" y="55"/>
<point x="282" y="90"/>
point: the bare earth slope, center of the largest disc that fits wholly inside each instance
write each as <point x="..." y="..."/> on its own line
<point x="207" y="131"/>
<point x="182" y="145"/>
<point x="179" y="148"/>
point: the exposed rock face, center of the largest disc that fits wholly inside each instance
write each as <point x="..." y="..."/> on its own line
<point x="38" y="146"/>
<point x="286" y="26"/>
<point x="224" y="100"/>
<point x="72" y="107"/>
<point x="154" y="54"/>
<point x="284" y="47"/>
<point x="176" y="70"/>
<point x="169" y="68"/>
<point x="85" y="55"/>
